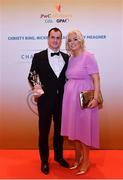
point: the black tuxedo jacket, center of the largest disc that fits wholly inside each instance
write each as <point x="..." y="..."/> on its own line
<point x="51" y="85"/>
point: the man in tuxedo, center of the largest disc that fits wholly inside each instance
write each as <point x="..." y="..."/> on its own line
<point x="50" y="65"/>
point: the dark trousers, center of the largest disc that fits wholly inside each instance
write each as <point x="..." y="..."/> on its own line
<point x="47" y="112"/>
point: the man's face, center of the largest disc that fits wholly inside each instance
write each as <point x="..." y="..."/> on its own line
<point x="54" y="40"/>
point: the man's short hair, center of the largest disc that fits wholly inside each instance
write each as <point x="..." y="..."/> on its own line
<point x="54" y="29"/>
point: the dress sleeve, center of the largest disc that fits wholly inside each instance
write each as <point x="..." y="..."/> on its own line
<point x="92" y="66"/>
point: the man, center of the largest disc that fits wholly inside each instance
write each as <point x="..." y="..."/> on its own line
<point x="50" y="65"/>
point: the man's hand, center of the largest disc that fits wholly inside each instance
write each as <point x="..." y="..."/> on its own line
<point x="38" y="91"/>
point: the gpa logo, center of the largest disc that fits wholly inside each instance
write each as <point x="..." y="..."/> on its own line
<point x="62" y="20"/>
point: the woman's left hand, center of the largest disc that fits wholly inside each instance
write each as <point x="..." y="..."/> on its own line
<point x="93" y="103"/>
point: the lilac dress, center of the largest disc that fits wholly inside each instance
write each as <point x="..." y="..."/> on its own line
<point x="80" y="124"/>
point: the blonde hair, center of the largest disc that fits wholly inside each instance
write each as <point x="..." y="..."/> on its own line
<point x="80" y="38"/>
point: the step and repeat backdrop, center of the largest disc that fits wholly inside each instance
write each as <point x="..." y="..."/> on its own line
<point x="23" y="32"/>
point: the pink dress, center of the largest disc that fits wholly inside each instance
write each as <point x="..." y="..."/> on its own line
<point x="80" y="124"/>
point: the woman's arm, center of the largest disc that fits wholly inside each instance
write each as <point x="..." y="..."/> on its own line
<point x="96" y="81"/>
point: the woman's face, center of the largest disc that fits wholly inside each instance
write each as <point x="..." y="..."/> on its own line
<point x="73" y="43"/>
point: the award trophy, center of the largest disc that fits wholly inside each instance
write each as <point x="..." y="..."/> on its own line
<point x="34" y="78"/>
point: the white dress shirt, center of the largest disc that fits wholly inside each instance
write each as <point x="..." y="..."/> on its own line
<point x="56" y="62"/>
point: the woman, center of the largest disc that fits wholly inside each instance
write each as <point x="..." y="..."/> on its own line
<point x="80" y="125"/>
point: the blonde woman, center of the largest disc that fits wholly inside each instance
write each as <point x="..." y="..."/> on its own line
<point x="80" y="125"/>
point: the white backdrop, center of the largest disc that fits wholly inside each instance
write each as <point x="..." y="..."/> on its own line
<point x="24" y="27"/>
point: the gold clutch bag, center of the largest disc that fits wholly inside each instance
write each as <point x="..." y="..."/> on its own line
<point x="87" y="96"/>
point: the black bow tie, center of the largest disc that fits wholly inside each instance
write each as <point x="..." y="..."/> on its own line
<point x="56" y="53"/>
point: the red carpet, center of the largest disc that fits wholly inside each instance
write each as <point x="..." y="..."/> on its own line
<point x="25" y="164"/>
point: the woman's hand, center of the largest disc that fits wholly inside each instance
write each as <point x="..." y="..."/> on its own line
<point x="93" y="103"/>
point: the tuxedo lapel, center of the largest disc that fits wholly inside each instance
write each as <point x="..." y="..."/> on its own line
<point x="65" y="65"/>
